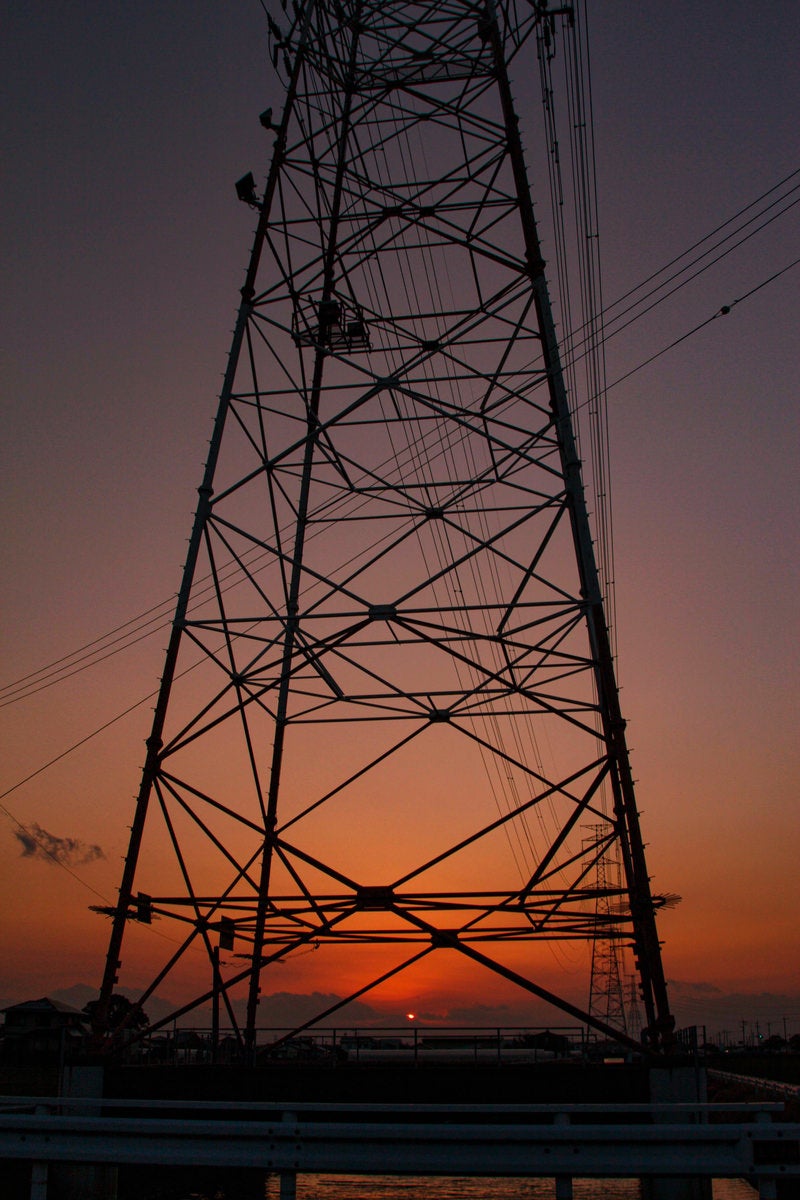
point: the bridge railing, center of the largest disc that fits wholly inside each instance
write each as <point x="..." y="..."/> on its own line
<point x="390" y="1044"/>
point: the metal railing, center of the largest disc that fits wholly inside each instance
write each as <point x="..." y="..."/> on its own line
<point x="390" y="1044"/>
<point x="533" y="1140"/>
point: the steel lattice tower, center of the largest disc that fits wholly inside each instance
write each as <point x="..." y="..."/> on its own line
<point x="605" y="990"/>
<point x="388" y="709"/>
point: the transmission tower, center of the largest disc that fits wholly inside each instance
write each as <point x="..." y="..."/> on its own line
<point x="388" y="703"/>
<point x="605" y="988"/>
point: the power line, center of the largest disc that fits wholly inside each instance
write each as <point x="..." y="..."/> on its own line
<point x="99" y="649"/>
<point x="696" y="245"/>
<point x="696" y="274"/>
<point x="76" y="745"/>
<point x="608" y="309"/>
<point x="723" y="311"/>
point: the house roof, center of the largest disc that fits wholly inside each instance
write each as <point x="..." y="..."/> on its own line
<point x="45" y="1004"/>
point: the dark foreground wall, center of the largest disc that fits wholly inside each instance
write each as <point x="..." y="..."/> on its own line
<point x="543" y="1083"/>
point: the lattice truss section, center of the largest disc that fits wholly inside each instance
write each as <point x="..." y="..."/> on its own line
<point x="383" y="727"/>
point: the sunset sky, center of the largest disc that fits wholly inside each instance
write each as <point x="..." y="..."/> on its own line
<point x="126" y="246"/>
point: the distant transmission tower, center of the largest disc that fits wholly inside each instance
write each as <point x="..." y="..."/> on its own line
<point x="388" y="704"/>
<point x="633" y="1008"/>
<point x="606" y="999"/>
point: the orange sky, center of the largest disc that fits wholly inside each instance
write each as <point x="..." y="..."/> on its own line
<point x="126" y="256"/>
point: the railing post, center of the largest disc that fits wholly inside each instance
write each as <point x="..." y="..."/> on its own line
<point x="563" y="1182"/>
<point x="89" y="1181"/>
<point x="288" y="1179"/>
<point x="288" y="1185"/>
<point x="39" y="1181"/>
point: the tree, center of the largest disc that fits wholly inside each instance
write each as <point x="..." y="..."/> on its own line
<point x="121" y="1011"/>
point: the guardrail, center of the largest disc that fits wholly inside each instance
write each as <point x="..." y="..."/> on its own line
<point x="565" y="1141"/>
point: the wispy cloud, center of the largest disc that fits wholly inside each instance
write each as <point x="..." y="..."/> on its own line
<point x="69" y="852"/>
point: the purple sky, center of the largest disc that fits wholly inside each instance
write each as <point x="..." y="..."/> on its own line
<point x="125" y="249"/>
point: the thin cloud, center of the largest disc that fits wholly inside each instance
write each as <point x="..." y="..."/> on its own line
<point x="481" y="1014"/>
<point x="686" y="987"/>
<point x="68" y="852"/>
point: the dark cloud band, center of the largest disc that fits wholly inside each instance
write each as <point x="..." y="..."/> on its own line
<point x="71" y="852"/>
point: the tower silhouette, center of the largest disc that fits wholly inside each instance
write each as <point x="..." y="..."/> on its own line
<point x="606" y="998"/>
<point x="388" y="709"/>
